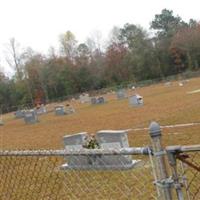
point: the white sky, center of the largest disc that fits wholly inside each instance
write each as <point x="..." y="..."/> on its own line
<point x="38" y="23"/>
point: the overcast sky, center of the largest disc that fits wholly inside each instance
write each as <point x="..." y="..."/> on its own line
<point x="38" y="23"/>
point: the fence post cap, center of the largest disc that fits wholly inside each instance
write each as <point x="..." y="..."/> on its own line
<point x="154" y="129"/>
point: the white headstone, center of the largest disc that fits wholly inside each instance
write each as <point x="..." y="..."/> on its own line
<point x="69" y="110"/>
<point x="93" y="100"/>
<point x="19" y="114"/>
<point x="109" y="139"/>
<point x="106" y="140"/>
<point x="30" y="117"/>
<point x="60" y="110"/>
<point x="136" y="100"/>
<point x="41" y="110"/>
<point x="84" y="98"/>
<point x="75" y="142"/>
<point x="97" y="100"/>
<point x="100" y="100"/>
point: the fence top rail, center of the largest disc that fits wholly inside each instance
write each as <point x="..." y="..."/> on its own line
<point x="182" y="149"/>
<point x="110" y="151"/>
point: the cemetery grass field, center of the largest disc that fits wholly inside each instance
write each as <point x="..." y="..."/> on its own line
<point x="164" y="104"/>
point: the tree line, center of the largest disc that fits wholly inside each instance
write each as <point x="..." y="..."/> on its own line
<point x="131" y="54"/>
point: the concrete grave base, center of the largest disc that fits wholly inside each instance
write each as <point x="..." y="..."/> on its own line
<point x="107" y="139"/>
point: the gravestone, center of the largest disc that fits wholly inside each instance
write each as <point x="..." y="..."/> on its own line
<point x="30" y="117"/>
<point x="60" y="110"/>
<point x="41" y="110"/>
<point x="100" y="100"/>
<point x="69" y="110"/>
<point x="93" y="100"/>
<point x="84" y="98"/>
<point x="121" y="94"/>
<point x="136" y="100"/>
<point x="19" y="114"/>
<point x="97" y="100"/>
<point x="75" y="142"/>
<point x="109" y="139"/>
<point x="106" y="140"/>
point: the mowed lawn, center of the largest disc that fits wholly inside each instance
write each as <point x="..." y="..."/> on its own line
<point x="164" y="104"/>
<point x="38" y="178"/>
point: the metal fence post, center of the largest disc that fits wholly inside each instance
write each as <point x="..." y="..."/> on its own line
<point x="172" y="152"/>
<point x="163" y="183"/>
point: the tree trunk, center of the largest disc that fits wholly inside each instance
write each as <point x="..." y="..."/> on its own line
<point x="189" y="58"/>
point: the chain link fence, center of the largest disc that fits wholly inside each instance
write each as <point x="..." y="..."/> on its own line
<point x="190" y="172"/>
<point x="41" y="175"/>
<point x="186" y="170"/>
<point x="158" y="172"/>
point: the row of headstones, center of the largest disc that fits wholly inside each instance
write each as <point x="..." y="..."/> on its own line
<point x="39" y="111"/>
<point x="97" y="100"/>
<point x="107" y="139"/>
<point x="85" y="98"/>
<point x="134" y="100"/>
<point x="62" y="110"/>
<point x="31" y="116"/>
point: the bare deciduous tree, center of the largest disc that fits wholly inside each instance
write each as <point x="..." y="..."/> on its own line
<point x="13" y="57"/>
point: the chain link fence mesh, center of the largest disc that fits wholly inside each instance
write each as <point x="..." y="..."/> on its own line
<point x="42" y="178"/>
<point x="189" y="173"/>
<point x="29" y="178"/>
<point x="47" y="177"/>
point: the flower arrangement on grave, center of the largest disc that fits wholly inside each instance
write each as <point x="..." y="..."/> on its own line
<point x="91" y="143"/>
